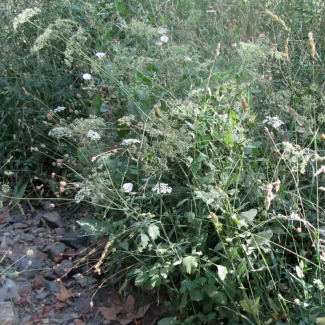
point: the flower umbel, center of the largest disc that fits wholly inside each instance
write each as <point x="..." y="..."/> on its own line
<point x="86" y="76"/>
<point x="93" y="135"/>
<point x="100" y="55"/>
<point x="162" y="188"/>
<point x="59" y="109"/>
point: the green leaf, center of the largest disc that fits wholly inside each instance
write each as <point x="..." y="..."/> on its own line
<point x="211" y="291"/>
<point x="184" y="300"/>
<point x="144" y="240"/>
<point x="190" y="264"/>
<point x="153" y="231"/>
<point x="220" y="298"/>
<point x="95" y="227"/>
<point x="83" y="155"/>
<point x="169" y="321"/>
<point x="164" y="272"/>
<point x="222" y="272"/>
<point x="141" y="279"/>
<point x="249" y="215"/>
<point x="196" y="295"/>
<point x="252" y="306"/>
<point x="260" y="238"/>
<point x="96" y="105"/>
<point x="154" y="281"/>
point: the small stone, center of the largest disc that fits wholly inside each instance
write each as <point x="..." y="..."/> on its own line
<point x="42" y="295"/>
<point x="29" y="267"/>
<point x="74" y="240"/>
<point x="23" y="286"/>
<point x="18" y="217"/>
<point x="85" y="280"/>
<point x="56" y="249"/>
<point x="50" y="276"/>
<point x="19" y="225"/>
<point x="53" y="286"/>
<point x="53" y="219"/>
<point x="64" y="268"/>
<point x="26" y="319"/>
<point x="29" y="237"/>
<point x="7" y="314"/>
<point x="40" y="256"/>
<point x="83" y="305"/>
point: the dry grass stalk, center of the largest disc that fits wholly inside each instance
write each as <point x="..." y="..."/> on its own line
<point x="286" y="49"/>
<point x="278" y="20"/>
<point x="312" y="44"/>
<point x="244" y="104"/>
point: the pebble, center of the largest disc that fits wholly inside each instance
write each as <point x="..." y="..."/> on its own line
<point x="64" y="268"/>
<point x="30" y="267"/>
<point x="53" y="219"/>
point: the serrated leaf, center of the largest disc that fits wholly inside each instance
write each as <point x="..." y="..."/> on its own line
<point x="144" y="240"/>
<point x="153" y="231"/>
<point x="222" y="272"/>
<point x="154" y="281"/>
<point x="141" y="279"/>
<point x="252" y="306"/>
<point x="190" y="264"/>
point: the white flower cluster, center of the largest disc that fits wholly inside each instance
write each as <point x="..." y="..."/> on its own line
<point x="93" y="135"/>
<point x="164" y="38"/>
<point x="100" y="55"/>
<point x="60" y="132"/>
<point x="127" y="142"/>
<point x="162" y="188"/>
<point x="273" y="121"/>
<point x="86" y="76"/>
<point x="25" y="16"/>
<point x="59" y="109"/>
<point x="81" y="194"/>
<point x="127" y="187"/>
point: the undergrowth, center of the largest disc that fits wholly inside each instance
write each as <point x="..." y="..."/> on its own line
<point x="196" y="130"/>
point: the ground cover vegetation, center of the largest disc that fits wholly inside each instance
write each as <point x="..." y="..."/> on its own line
<point x="196" y="129"/>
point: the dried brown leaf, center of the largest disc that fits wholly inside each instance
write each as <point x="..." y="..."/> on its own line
<point x="141" y="311"/>
<point x="65" y="293"/>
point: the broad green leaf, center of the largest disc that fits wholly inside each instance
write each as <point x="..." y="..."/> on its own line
<point x="273" y="305"/>
<point x="154" y="281"/>
<point x="249" y="215"/>
<point x="144" y="240"/>
<point x="260" y="238"/>
<point x="196" y="295"/>
<point x="96" y="105"/>
<point x="190" y="264"/>
<point x="252" y="306"/>
<point x="184" y="300"/>
<point x="153" y="231"/>
<point x="222" y="272"/>
<point x="141" y="279"/>
<point x="220" y="298"/>
<point x="164" y="272"/>
<point x="124" y="245"/>
<point x="169" y="321"/>
<point x="212" y="291"/>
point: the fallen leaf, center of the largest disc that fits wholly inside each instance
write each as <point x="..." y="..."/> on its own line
<point x="65" y="293"/>
<point x="125" y="313"/>
<point x="141" y="311"/>
<point x="59" y="305"/>
<point x="38" y="282"/>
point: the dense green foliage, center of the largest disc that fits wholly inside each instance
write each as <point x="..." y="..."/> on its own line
<point x="197" y="130"/>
